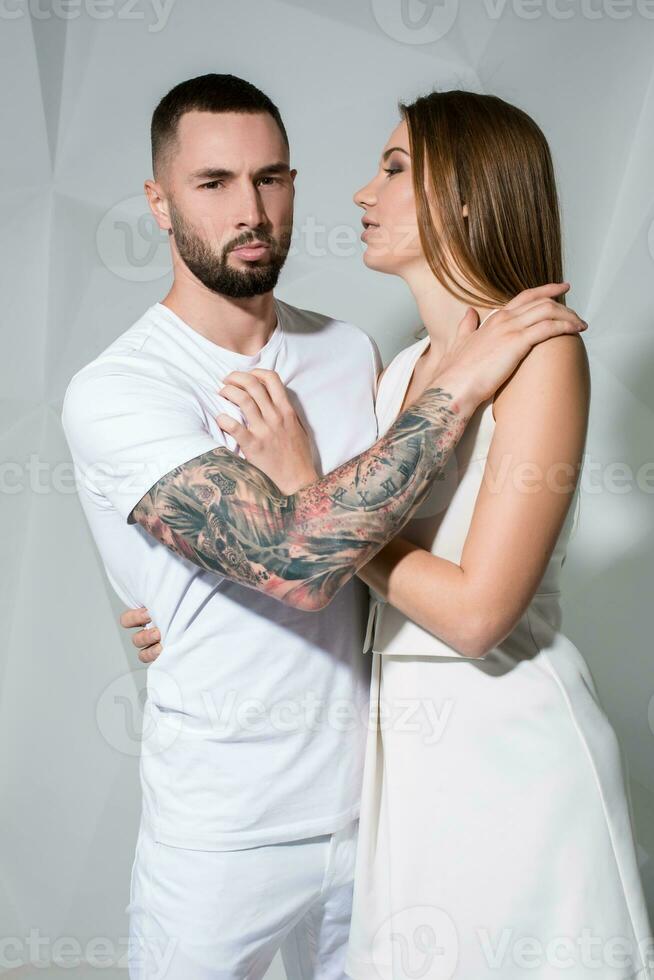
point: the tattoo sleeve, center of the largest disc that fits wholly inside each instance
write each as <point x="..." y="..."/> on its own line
<point x="225" y="515"/>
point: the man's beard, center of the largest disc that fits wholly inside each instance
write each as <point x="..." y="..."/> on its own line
<point x="213" y="270"/>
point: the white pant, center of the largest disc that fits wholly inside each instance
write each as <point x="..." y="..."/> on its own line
<point x="222" y="915"/>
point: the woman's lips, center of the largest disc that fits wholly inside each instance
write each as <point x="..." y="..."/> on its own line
<point x="369" y="227"/>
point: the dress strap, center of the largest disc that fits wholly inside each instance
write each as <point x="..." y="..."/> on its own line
<point x="395" y="380"/>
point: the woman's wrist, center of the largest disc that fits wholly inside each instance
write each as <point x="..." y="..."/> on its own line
<point x="299" y="482"/>
<point x="465" y="398"/>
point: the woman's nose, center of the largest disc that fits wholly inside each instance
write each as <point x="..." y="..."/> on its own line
<point x="364" y="198"/>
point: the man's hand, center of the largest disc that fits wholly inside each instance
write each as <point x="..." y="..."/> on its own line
<point x="480" y="360"/>
<point x="147" y="640"/>
<point x="273" y="438"/>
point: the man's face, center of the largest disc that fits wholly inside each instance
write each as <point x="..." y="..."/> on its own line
<point x="229" y="194"/>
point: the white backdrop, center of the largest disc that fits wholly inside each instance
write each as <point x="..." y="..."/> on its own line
<point x="80" y="261"/>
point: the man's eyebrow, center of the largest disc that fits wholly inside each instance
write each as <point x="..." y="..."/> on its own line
<point x="210" y="173"/>
<point x="219" y="173"/>
<point x="275" y="168"/>
<point x="390" y="150"/>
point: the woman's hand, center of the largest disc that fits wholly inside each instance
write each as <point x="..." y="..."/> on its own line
<point x="480" y="359"/>
<point x="147" y="640"/>
<point x="274" y="439"/>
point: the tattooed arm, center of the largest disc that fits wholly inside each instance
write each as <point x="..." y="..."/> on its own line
<point x="226" y="515"/>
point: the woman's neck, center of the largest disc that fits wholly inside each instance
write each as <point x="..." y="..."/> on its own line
<point x="440" y="312"/>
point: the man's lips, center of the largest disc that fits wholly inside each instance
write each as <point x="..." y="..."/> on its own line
<point x="255" y="250"/>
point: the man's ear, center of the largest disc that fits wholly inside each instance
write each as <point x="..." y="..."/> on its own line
<point x="158" y="203"/>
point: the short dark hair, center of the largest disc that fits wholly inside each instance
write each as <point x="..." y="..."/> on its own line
<point x="206" y="93"/>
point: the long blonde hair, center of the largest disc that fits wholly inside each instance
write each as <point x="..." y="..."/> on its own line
<point x="481" y="151"/>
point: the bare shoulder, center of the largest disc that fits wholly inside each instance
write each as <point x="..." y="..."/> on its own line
<point x="554" y="371"/>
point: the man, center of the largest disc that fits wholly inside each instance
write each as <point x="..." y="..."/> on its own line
<point x="259" y="703"/>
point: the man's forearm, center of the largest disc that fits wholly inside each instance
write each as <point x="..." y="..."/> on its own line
<point x="226" y="515"/>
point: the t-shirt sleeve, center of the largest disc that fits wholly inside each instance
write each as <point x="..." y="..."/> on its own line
<point x="125" y="432"/>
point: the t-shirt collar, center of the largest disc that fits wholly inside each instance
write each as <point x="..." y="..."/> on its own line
<point x="240" y="361"/>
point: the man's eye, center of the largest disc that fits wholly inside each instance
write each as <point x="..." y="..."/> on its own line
<point x="212" y="183"/>
<point x="275" y="180"/>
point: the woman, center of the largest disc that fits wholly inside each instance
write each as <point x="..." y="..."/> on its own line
<point x="495" y="836"/>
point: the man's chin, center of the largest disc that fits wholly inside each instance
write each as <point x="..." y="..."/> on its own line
<point x="238" y="284"/>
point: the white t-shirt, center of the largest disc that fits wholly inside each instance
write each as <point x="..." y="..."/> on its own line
<point x="256" y="712"/>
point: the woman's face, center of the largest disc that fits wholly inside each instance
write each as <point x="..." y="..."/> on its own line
<point x="388" y="202"/>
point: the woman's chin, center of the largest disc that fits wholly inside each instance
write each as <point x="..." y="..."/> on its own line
<point x="379" y="262"/>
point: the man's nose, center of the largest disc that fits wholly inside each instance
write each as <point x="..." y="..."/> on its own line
<point x="250" y="210"/>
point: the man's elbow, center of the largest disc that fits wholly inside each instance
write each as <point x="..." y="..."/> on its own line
<point x="307" y="600"/>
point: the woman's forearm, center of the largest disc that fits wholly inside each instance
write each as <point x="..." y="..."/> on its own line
<point x="432" y="592"/>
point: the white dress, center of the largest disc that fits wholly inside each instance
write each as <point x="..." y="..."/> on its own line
<point x="496" y="838"/>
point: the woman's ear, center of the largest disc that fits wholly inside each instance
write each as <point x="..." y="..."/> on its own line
<point x="465" y="211"/>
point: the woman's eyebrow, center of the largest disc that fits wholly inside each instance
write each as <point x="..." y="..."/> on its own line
<point x="390" y="150"/>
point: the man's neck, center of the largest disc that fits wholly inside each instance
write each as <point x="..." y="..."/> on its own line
<point x="240" y="325"/>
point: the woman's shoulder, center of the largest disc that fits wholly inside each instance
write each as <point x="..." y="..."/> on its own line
<point x="556" y="368"/>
